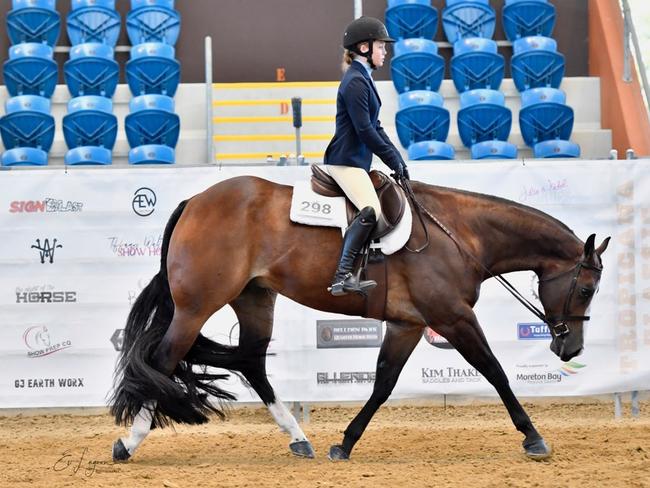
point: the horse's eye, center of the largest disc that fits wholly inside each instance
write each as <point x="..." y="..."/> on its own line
<point x="586" y="292"/>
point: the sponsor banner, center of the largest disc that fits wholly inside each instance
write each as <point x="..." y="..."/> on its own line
<point x="45" y="205"/>
<point x="79" y="246"/>
<point x="533" y="331"/>
<point x="348" y="333"/>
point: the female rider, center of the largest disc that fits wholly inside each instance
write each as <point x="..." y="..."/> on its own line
<point x="358" y="135"/>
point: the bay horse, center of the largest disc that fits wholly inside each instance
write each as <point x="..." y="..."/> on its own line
<point x="233" y="244"/>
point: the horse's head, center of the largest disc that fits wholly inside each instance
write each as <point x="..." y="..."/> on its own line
<point x="566" y="297"/>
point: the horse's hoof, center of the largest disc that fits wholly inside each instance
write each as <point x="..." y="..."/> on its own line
<point x="537" y="450"/>
<point x="120" y="453"/>
<point x="338" y="454"/>
<point x="302" y="449"/>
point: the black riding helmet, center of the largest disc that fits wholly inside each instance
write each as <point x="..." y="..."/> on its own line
<point x="365" y="29"/>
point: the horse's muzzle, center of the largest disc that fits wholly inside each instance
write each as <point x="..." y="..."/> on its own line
<point x="563" y="351"/>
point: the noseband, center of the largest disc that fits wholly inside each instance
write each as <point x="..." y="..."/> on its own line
<point x="558" y="325"/>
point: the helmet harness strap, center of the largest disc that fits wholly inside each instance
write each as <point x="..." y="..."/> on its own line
<point x="367" y="55"/>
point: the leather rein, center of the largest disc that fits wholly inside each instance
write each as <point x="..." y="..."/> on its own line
<point x="558" y="325"/>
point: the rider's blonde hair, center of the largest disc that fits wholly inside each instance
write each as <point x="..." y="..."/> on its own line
<point x="348" y="57"/>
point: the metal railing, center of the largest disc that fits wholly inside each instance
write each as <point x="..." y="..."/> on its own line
<point x="208" y="101"/>
<point x="629" y="33"/>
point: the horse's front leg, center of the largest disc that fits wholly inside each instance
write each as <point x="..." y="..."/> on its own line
<point x="468" y="339"/>
<point x="399" y="342"/>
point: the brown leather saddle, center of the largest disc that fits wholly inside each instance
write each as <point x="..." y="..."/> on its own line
<point x="391" y="197"/>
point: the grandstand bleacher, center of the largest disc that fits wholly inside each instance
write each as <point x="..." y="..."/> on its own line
<point x="89" y="130"/>
<point x="476" y="64"/>
<point x="416" y="65"/>
<point x="248" y="132"/>
<point x="484" y="118"/>
<point x="93" y="21"/>
<point x="33" y="21"/>
<point x="27" y="131"/>
<point x="91" y="70"/>
<point x="30" y="70"/>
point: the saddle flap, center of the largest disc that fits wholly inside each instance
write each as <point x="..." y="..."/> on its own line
<point x="393" y="204"/>
<point x="323" y="184"/>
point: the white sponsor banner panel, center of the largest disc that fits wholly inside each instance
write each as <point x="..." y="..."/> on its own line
<point x="79" y="246"/>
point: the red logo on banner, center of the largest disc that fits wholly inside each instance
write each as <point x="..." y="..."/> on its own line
<point x="27" y="206"/>
<point x="47" y="205"/>
<point x="39" y="342"/>
<point x="436" y="339"/>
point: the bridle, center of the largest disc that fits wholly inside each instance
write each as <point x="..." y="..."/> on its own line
<point x="558" y="326"/>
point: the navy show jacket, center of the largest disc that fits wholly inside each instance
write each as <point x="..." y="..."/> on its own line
<point x="358" y="131"/>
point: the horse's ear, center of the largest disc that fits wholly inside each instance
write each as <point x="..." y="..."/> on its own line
<point x="589" y="245"/>
<point x="601" y="249"/>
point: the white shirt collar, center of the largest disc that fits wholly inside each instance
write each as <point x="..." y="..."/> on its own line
<point x="364" y="62"/>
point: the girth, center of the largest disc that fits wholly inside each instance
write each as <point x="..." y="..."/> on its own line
<point x="391" y="197"/>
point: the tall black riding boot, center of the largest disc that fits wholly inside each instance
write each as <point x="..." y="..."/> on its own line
<point x="353" y="242"/>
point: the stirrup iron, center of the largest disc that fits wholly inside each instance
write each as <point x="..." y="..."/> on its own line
<point x="351" y="284"/>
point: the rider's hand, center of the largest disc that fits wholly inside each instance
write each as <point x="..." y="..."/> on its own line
<point x="405" y="173"/>
<point x="398" y="174"/>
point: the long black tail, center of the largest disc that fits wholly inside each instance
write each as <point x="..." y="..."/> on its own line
<point x="183" y="396"/>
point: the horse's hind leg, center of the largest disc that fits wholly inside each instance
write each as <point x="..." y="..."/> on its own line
<point x="176" y="342"/>
<point x="254" y="309"/>
<point x="395" y="350"/>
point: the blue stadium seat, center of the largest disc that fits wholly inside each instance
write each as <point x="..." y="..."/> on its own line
<point x="536" y="63"/>
<point x="556" y="148"/>
<point x="152" y="122"/>
<point x="416" y="65"/>
<point x="93" y="23"/>
<point x="468" y="18"/>
<point x="153" y="69"/>
<point x="89" y="130"/>
<point x="153" y="24"/>
<point x="91" y="70"/>
<point x="476" y="64"/>
<point x="24" y="156"/>
<point x="27" y="130"/>
<point x="537" y="95"/>
<point x="152" y="154"/>
<point x="88" y="155"/>
<point x="545" y="116"/>
<point x="77" y="4"/>
<point x="33" y="21"/>
<point x="544" y="111"/>
<point x="109" y="4"/>
<point x="411" y="18"/>
<point x="46" y="4"/>
<point x="493" y="150"/>
<point x="431" y="151"/>
<point x="421" y="117"/>
<point x="151" y="102"/>
<point x="482" y="117"/>
<point x="30" y="70"/>
<point x="523" y="18"/>
<point x="148" y="3"/>
<point x="28" y="102"/>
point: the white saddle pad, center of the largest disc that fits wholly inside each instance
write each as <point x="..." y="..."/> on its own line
<point x="310" y="208"/>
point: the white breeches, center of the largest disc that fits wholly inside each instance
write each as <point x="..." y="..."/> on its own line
<point x="356" y="184"/>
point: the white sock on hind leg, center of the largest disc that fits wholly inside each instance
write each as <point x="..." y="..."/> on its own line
<point x="140" y="428"/>
<point x="286" y="421"/>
